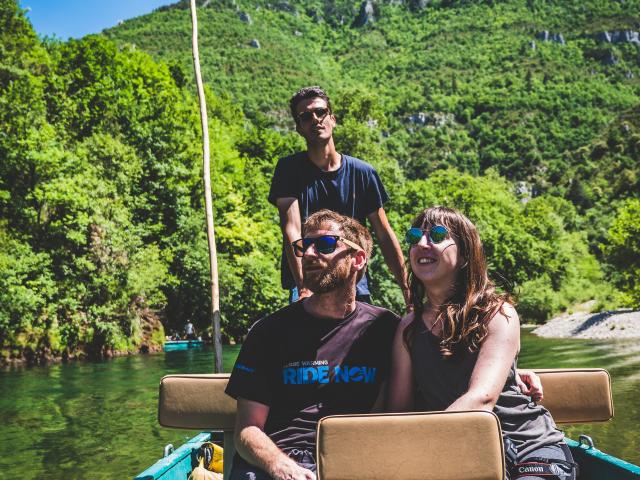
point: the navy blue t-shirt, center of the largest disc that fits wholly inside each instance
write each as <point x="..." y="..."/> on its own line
<point x="354" y="190"/>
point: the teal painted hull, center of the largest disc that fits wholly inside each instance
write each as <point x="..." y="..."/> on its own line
<point x="594" y="464"/>
<point x="176" y="345"/>
<point x="597" y="465"/>
<point x="178" y="465"/>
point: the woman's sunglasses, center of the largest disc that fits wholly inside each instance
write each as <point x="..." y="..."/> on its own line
<point x="307" y="116"/>
<point x="324" y="244"/>
<point x="435" y="234"/>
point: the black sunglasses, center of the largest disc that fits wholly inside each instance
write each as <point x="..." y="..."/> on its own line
<point x="324" y="244"/>
<point x="435" y="234"/>
<point x="308" y="115"/>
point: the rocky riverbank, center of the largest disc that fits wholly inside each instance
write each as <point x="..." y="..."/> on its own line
<point x="614" y="324"/>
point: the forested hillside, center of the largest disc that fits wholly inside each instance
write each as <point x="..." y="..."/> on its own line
<point x="514" y="85"/>
<point x="524" y="114"/>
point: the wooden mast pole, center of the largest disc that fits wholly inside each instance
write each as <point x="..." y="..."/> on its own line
<point x="208" y="201"/>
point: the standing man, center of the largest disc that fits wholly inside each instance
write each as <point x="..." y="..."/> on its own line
<point x="325" y="355"/>
<point x="320" y="178"/>
<point x="189" y="331"/>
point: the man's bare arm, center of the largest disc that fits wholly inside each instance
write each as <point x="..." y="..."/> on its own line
<point x="289" y="211"/>
<point x="390" y="250"/>
<point x="258" y="449"/>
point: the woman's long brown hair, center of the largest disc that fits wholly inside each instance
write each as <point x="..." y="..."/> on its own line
<point x="464" y="315"/>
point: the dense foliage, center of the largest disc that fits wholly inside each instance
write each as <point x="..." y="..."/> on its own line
<point x="100" y="194"/>
<point x="623" y="248"/>
<point x="456" y="103"/>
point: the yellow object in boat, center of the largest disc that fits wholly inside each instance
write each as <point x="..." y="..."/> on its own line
<point x="212" y="455"/>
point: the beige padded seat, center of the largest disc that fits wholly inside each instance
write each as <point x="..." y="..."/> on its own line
<point x="412" y="446"/>
<point x="198" y="402"/>
<point x="577" y="395"/>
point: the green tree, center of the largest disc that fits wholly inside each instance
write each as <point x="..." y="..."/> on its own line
<point x="622" y="251"/>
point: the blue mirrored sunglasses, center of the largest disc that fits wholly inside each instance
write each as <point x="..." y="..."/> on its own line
<point x="324" y="244"/>
<point x="435" y="234"/>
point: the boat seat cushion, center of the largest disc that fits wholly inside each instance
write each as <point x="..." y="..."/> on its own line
<point x="577" y="395"/>
<point x="196" y="402"/>
<point x="414" y="446"/>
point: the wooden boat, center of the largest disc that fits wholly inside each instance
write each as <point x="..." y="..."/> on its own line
<point x="571" y="395"/>
<point x="175" y="345"/>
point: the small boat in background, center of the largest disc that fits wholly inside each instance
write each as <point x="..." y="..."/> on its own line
<point x="175" y="345"/>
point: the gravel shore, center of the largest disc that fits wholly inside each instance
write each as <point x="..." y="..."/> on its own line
<point x="615" y="324"/>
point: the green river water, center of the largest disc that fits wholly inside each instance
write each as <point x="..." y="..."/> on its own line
<point x="98" y="420"/>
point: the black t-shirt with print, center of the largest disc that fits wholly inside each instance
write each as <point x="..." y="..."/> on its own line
<point x="305" y="368"/>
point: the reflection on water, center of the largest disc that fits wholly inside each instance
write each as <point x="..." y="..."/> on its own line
<point x="99" y="420"/>
<point x="90" y="420"/>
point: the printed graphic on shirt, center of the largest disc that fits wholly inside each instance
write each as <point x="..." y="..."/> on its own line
<point x="244" y="368"/>
<point x="320" y="371"/>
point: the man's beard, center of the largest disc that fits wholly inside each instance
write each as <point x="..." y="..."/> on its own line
<point x="328" y="279"/>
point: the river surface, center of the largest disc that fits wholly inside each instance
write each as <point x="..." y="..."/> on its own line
<point x="98" y="420"/>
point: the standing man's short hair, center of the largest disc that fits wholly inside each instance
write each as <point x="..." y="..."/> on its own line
<point x="304" y="94"/>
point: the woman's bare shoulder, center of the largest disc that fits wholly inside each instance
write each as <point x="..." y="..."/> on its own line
<point x="508" y="311"/>
<point x="505" y="317"/>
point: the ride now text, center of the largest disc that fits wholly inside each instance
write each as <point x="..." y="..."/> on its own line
<point x="326" y="374"/>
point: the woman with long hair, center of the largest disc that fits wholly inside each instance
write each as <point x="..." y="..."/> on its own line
<point x="457" y="349"/>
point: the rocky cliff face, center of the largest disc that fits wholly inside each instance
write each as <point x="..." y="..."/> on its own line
<point x="365" y="15"/>
<point x="547" y="36"/>
<point x="620" y="36"/>
<point x="331" y="11"/>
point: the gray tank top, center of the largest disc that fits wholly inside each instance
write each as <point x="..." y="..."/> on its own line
<point x="441" y="381"/>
